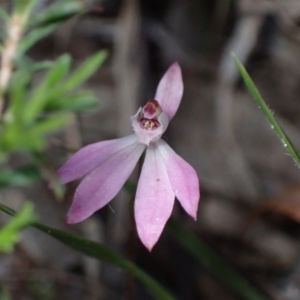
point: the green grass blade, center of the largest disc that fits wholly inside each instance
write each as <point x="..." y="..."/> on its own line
<point x="10" y="233"/>
<point x="52" y="123"/>
<point x="23" y="7"/>
<point x="210" y="260"/>
<point x="81" y="101"/>
<point x="85" y="70"/>
<point x="34" y="36"/>
<point x="38" y="98"/>
<point x="263" y="106"/>
<point x="19" y="177"/>
<point x="102" y="253"/>
<point x="58" y="12"/>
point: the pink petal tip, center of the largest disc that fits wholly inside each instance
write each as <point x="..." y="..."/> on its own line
<point x="170" y="89"/>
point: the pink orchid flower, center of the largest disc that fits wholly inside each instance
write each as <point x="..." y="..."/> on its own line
<point x="165" y="175"/>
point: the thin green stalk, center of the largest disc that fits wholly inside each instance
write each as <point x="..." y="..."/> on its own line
<point x="268" y="113"/>
<point x="102" y="253"/>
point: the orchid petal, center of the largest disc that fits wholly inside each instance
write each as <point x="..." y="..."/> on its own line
<point x="154" y="198"/>
<point x="91" y="156"/>
<point x="183" y="178"/>
<point x="101" y="185"/>
<point x="170" y="89"/>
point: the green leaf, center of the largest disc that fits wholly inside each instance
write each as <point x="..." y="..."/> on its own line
<point x="24" y="7"/>
<point x="58" y="71"/>
<point x="209" y="259"/>
<point x="81" y="101"/>
<point x="34" y="36"/>
<point x="60" y="91"/>
<point x="8" y="137"/>
<point x="43" y="65"/>
<point x="39" y="97"/>
<point x="14" y="138"/>
<point x="17" y="91"/>
<point x="102" y="253"/>
<point x="31" y="66"/>
<point x="36" y="103"/>
<point x="32" y="137"/>
<point x="48" y="125"/>
<point x="263" y="106"/>
<point x="10" y="234"/>
<point x="20" y="177"/>
<point x="58" y="12"/>
<point x="85" y="71"/>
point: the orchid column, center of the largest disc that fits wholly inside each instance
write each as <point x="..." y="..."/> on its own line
<point x="107" y="165"/>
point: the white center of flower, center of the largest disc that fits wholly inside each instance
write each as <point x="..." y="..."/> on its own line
<point x="150" y="122"/>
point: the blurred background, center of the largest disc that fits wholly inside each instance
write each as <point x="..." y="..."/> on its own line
<point x="250" y="193"/>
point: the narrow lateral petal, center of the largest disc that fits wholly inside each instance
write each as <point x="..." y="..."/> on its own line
<point x="91" y="156"/>
<point x="170" y="89"/>
<point x="102" y="185"/>
<point x="154" y="198"/>
<point x="183" y="178"/>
